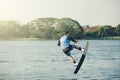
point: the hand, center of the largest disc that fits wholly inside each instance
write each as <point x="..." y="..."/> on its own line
<point x="58" y="44"/>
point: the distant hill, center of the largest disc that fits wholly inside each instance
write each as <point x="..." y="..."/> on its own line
<point x="42" y="28"/>
<point x="52" y="28"/>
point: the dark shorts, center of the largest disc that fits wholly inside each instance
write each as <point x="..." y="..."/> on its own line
<point x="68" y="49"/>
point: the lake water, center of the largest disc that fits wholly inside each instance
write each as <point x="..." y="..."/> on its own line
<point x="44" y="60"/>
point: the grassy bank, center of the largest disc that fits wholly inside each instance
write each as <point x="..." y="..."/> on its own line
<point x="111" y="38"/>
<point x="104" y="38"/>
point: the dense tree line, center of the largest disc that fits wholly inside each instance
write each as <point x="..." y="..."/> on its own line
<point x="53" y="28"/>
<point x="41" y="28"/>
<point x="101" y="31"/>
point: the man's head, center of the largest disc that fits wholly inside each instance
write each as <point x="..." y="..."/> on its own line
<point x="66" y="33"/>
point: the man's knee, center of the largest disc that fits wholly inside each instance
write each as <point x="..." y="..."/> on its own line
<point x="79" y="48"/>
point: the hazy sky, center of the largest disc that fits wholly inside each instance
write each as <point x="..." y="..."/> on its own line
<point x="92" y="12"/>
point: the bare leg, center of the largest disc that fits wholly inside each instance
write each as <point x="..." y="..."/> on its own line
<point x="72" y="59"/>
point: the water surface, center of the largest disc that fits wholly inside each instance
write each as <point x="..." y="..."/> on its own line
<point x="43" y="60"/>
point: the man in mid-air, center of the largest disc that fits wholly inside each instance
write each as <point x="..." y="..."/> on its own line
<point x="64" y="42"/>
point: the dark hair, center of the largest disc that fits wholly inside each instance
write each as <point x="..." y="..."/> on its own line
<point x="66" y="32"/>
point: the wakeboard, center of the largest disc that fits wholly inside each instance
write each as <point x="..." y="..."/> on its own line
<point x="82" y="58"/>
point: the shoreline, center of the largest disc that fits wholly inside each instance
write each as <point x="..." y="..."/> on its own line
<point x="105" y="38"/>
<point x="38" y="39"/>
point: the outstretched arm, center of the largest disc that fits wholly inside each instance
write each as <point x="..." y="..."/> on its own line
<point x="72" y="39"/>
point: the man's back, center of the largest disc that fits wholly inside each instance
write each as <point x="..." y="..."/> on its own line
<point x="64" y="41"/>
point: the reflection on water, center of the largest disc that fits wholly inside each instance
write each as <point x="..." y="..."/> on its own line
<point x="43" y="60"/>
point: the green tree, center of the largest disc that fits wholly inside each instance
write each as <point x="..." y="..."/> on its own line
<point x="118" y="29"/>
<point x="9" y="29"/>
<point x="106" y="31"/>
<point x="53" y="28"/>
